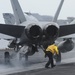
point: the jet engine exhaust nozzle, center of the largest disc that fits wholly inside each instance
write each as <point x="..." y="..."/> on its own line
<point x="34" y="31"/>
<point x="51" y="30"/>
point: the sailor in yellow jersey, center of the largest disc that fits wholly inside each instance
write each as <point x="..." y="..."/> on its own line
<point x="50" y="51"/>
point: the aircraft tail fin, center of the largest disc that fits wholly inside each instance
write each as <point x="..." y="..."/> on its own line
<point x="18" y="13"/>
<point x="58" y="11"/>
<point x="9" y="18"/>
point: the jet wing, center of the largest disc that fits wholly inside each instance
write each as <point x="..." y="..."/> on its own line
<point x="12" y="30"/>
<point x="16" y="31"/>
<point x="66" y="30"/>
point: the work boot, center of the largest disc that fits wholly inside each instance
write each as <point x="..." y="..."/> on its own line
<point x="53" y="66"/>
<point x="47" y="67"/>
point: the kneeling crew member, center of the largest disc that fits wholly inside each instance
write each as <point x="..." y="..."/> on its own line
<point x="50" y="51"/>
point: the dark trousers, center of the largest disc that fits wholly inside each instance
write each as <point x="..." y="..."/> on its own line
<point x="50" y="61"/>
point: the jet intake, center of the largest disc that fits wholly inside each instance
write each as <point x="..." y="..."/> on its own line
<point x="51" y="30"/>
<point x="66" y="45"/>
<point x="33" y="31"/>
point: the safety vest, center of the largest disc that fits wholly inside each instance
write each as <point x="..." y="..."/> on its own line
<point x="53" y="48"/>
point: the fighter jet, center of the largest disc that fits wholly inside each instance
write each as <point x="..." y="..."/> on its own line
<point x="29" y="34"/>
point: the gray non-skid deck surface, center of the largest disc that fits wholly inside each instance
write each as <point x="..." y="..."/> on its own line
<point x="65" y="69"/>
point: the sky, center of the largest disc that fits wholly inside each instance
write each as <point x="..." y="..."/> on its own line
<point x="43" y="7"/>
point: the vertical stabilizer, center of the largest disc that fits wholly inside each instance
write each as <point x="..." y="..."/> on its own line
<point x="9" y="18"/>
<point x="18" y="13"/>
<point x="58" y="11"/>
